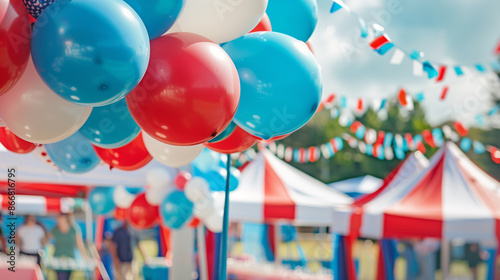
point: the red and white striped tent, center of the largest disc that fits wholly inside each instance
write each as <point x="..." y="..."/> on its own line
<point x="271" y="190"/>
<point x="37" y="205"/>
<point x="451" y="198"/>
<point x="346" y="220"/>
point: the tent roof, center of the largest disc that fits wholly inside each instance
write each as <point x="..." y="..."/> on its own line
<point x="272" y="190"/>
<point x="413" y="164"/>
<point x="451" y="198"/>
<point x="357" y="185"/>
<point x="39" y="178"/>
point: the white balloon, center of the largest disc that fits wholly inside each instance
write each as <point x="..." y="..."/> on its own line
<point x="221" y="20"/>
<point x="171" y="155"/>
<point x="204" y="209"/>
<point x="156" y="196"/>
<point x="214" y="222"/>
<point x="158" y="178"/>
<point x="36" y="114"/>
<point x="41" y="154"/>
<point x="197" y="190"/>
<point x="122" y="198"/>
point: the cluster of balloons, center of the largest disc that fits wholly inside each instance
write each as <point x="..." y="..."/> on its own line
<point x="172" y="199"/>
<point x="93" y="81"/>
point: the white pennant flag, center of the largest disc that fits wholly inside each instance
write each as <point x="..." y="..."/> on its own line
<point x="397" y="57"/>
<point x="418" y="68"/>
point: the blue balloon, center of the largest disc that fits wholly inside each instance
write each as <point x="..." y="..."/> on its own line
<point x="225" y="133"/>
<point x="111" y="126"/>
<point x="157" y="15"/>
<point x="176" y="209"/>
<point x="280" y="83"/>
<point x="216" y="179"/>
<point x="90" y="52"/>
<point x="101" y="200"/>
<point x="206" y="161"/>
<point x="296" y="18"/>
<point x="74" y="154"/>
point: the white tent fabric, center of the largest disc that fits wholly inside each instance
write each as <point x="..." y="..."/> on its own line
<point x="357" y="185"/>
<point x="31" y="170"/>
<point x="271" y="190"/>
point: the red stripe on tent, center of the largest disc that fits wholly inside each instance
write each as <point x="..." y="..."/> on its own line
<point x="420" y="213"/>
<point x="53" y="204"/>
<point x="5" y="202"/>
<point x="55" y="190"/>
<point x="277" y="202"/>
<point x="442" y="72"/>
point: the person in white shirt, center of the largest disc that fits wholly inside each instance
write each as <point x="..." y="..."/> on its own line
<point x="31" y="237"/>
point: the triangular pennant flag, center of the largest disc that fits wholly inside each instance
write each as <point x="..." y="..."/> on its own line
<point x="397" y="57"/>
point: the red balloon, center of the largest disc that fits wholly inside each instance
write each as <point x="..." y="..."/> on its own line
<point x="264" y="25"/>
<point x="15" y="36"/>
<point x="238" y="141"/>
<point x="13" y="143"/>
<point x="129" y="157"/>
<point x="141" y="214"/>
<point x="181" y="179"/>
<point x="120" y="214"/>
<point x="190" y="91"/>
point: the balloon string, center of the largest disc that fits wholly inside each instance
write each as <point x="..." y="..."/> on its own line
<point x="225" y="225"/>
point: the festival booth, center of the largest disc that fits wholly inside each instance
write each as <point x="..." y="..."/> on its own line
<point x="347" y="220"/>
<point x="450" y="199"/>
<point x="271" y="191"/>
<point x="358" y="186"/>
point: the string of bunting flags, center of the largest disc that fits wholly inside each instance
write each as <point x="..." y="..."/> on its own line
<point x="380" y="42"/>
<point x="378" y="144"/>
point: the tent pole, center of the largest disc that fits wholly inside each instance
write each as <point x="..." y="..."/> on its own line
<point x="202" y="252"/>
<point x="445" y="258"/>
<point x="277" y="243"/>
<point x="88" y="222"/>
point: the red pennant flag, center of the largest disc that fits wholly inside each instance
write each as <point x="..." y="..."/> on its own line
<point x="302" y="156"/>
<point x="312" y="154"/>
<point x="429" y="139"/>
<point x="380" y="138"/>
<point x="495" y="154"/>
<point x="460" y="128"/>
<point x="379" y="42"/>
<point x="402" y="97"/>
<point x="334" y="146"/>
<point x="360" y="104"/>
<point x="409" y="141"/>
<point x="497" y="50"/>
<point x="444" y="92"/>
<point x="354" y="126"/>
<point x="441" y="73"/>
<point x="421" y="147"/>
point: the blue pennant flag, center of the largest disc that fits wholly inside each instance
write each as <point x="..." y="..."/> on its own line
<point x="459" y="70"/>
<point x="431" y="71"/>
<point x="478" y="147"/>
<point x="385" y="48"/>
<point x="420" y="96"/>
<point x="480" y="68"/>
<point x="388" y="139"/>
<point x="494" y="110"/>
<point x="382" y="104"/>
<point x="335" y="7"/>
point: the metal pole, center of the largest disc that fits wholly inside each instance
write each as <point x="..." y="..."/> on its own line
<point x="277" y="242"/>
<point x="445" y="258"/>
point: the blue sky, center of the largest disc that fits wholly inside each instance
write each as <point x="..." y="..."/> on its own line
<point x="461" y="32"/>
